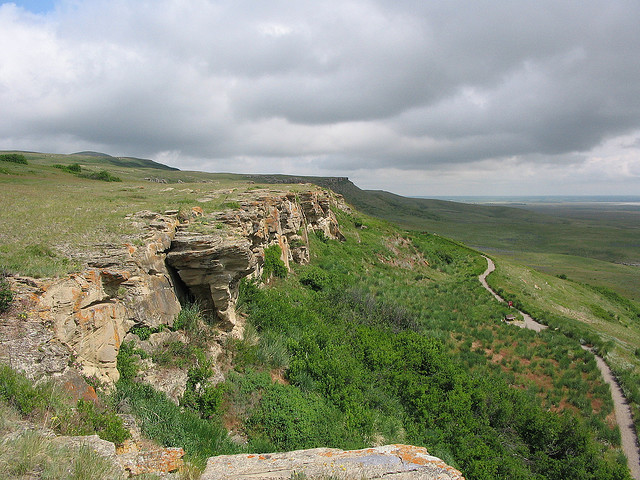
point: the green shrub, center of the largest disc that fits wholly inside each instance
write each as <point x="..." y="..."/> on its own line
<point x="314" y="278"/>
<point x="273" y="264"/>
<point x="73" y="168"/>
<point x="105" y="423"/>
<point x="320" y="235"/>
<point x="170" y="425"/>
<point x="103" y="175"/>
<point x="127" y="361"/>
<point x="176" y="354"/>
<point x="143" y="332"/>
<point x="18" y="391"/>
<point x="6" y="295"/>
<point x="291" y="419"/>
<point x="189" y="319"/>
<point x="46" y="401"/>
<point x="13" y="158"/>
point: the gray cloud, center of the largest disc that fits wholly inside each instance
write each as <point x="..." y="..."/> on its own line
<point x="326" y="87"/>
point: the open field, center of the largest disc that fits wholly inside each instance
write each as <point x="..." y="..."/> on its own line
<point x="624" y="279"/>
<point x="48" y="215"/>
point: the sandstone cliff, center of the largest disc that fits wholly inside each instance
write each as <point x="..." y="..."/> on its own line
<point x="76" y="325"/>
<point x="82" y="319"/>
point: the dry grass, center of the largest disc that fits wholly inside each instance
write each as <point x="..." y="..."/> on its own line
<point x="32" y="455"/>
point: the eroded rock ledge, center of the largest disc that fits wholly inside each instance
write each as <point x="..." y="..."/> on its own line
<point x="141" y="283"/>
<point x="398" y="462"/>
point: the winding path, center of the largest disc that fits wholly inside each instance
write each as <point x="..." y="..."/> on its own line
<point x="620" y="404"/>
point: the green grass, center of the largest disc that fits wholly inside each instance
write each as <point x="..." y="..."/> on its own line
<point x="31" y="454"/>
<point x="168" y="424"/>
<point x="48" y="404"/>
<point x="594" y="314"/>
<point x="624" y="279"/>
<point x="49" y="216"/>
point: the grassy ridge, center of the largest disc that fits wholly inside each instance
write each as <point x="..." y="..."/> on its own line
<point x="571" y="240"/>
<point x="52" y="219"/>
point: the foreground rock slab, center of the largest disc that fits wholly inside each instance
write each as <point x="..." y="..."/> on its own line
<point x="397" y="462"/>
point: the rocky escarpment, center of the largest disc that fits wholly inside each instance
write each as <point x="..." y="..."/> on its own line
<point x="211" y="265"/>
<point x="82" y="319"/>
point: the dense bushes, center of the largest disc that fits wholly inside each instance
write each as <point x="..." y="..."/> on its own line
<point x="170" y="425"/>
<point x="273" y="264"/>
<point x="362" y="352"/>
<point x="13" y="158"/>
<point x="103" y="175"/>
<point x="74" y="168"/>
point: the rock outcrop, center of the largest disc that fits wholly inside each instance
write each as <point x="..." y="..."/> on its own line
<point x="398" y="462"/>
<point x="87" y="319"/>
<point x="211" y="267"/>
<point x="86" y="315"/>
<point x="27" y="343"/>
<point x="126" y="285"/>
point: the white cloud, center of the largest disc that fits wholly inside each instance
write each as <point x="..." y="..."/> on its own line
<point x="392" y="93"/>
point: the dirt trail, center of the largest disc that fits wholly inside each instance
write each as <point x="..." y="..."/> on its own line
<point x="620" y="404"/>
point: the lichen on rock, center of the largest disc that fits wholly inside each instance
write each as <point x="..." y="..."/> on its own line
<point x="400" y="462"/>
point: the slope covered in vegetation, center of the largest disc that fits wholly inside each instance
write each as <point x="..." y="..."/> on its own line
<point x="389" y="337"/>
<point x="385" y="337"/>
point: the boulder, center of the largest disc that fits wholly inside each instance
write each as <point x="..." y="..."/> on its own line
<point x="398" y="462"/>
<point x="211" y="266"/>
<point x="159" y="460"/>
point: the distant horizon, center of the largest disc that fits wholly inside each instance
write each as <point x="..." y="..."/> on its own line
<point x="629" y="200"/>
<point x="385" y="93"/>
<point x="359" y="181"/>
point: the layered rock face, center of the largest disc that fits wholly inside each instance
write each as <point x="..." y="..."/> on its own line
<point x="126" y="285"/>
<point x="140" y="283"/>
<point x="211" y="265"/>
<point x="400" y="462"/>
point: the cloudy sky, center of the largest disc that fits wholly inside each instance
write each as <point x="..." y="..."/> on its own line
<point x="411" y="96"/>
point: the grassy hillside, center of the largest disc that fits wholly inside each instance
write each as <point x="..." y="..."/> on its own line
<point x="125" y="161"/>
<point x="569" y="240"/>
<point x="386" y="337"/>
<point x="585" y="313"/>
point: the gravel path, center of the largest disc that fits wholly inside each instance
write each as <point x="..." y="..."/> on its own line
<point x="620" y="404"/>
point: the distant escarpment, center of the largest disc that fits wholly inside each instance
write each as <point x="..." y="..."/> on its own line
<point x="179" y="256"/>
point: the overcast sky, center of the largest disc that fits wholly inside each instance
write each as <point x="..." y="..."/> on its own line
<point x="410" y="96"/>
